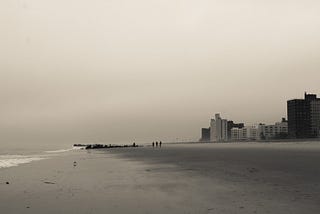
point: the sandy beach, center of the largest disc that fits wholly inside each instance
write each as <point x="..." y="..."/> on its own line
<point x="193" y="178"/>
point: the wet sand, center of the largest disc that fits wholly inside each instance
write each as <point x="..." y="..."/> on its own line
<point x="194" y="178"/>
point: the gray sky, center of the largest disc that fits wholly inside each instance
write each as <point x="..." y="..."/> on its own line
<point x="118" y="70"/>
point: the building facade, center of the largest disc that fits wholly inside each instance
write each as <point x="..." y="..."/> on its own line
<point x="213" y="136"/>
<point x="205" y="134"/>
<point x="218" y="129"/>
<point x="277" y="131"/>
<point x="235" y="134"/>
<point x="232" y="125"/>
<point x="246" y="133"/>
<point x="304" y="117"/>
<point x="315" y="117"/>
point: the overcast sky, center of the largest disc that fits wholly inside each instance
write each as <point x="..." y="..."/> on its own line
<point x="124" y="70"/>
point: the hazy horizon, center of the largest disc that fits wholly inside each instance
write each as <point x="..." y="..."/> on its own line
<point x="85" y="71"/>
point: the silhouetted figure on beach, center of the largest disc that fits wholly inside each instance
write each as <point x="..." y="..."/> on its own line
<point x="152" y="144"/>
<point x="157" y="144"/>
<point x="160" y="143"/>
<point x="134" y="144"/>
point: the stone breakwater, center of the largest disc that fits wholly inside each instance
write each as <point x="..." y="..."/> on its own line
<point x="104" y="146"/>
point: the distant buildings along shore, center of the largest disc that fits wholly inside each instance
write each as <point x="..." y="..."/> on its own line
<point x="303" y="122"/>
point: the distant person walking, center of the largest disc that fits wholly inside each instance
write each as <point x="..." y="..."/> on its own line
<point x="157" y="144"/>
<point x="160" y="143"/>
<point x="152" y="144"/>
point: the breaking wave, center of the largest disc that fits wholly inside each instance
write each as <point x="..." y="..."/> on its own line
<point x="64" y="150"/>
<point x="7" y="161"/>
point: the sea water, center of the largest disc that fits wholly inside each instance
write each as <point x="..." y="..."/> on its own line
<point x="12" y="155"/>
<point x="15" y="154"/>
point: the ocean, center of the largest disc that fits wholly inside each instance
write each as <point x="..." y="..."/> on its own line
<point x="15" y="154"/>
<point x="12" y="155"/>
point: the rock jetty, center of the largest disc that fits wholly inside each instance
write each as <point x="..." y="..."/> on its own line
<point x="104" y="146"/>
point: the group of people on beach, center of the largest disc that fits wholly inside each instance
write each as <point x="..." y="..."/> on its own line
<point x="157" y="144"/>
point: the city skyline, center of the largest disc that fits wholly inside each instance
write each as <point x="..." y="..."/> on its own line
<point x="302" y="121"/>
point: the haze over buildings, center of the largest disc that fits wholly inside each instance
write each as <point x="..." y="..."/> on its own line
<point x="88" y="71"/>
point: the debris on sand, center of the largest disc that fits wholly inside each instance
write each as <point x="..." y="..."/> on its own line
<point x="48" y="182"/>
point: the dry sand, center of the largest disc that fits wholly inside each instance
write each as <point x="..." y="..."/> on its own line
<point x="195" y="178"/>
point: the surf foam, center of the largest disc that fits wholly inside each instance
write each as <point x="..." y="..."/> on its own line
<point x="7" y="161"/>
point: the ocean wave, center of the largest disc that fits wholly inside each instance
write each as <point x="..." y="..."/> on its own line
<point x="59" y="151"/>
<point x="7" y="161"/>
<point x="12" y="160"/>
<point x="64" y="150"/>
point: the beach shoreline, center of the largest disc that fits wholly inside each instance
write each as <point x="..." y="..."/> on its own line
<point x="186" y="178"/>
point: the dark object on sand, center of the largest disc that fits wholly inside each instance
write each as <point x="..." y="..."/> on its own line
<point x="48" y="182"/>
<point x="152" y="144"/>
<point x="160" y="143"/>
<point x="75" y="163"/>
<point x="157" y="144"/>
<point x="7" y="182"/>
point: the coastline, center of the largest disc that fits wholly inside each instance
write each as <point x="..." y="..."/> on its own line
<point x="186" y="178"/>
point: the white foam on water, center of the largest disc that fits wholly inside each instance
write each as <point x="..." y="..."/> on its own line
<point x="7" y="161"/>
<point x="64" y="150"/>
<point x="59" y="151"/>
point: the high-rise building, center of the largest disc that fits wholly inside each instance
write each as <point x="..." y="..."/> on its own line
<point x="304" y="117"/>
<point x="224" y="130"/>
<point x="315" y="117"/>
<point x="213" y="136"/>
<point x="218" y="129"/>
<point x="205" y="134"/>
